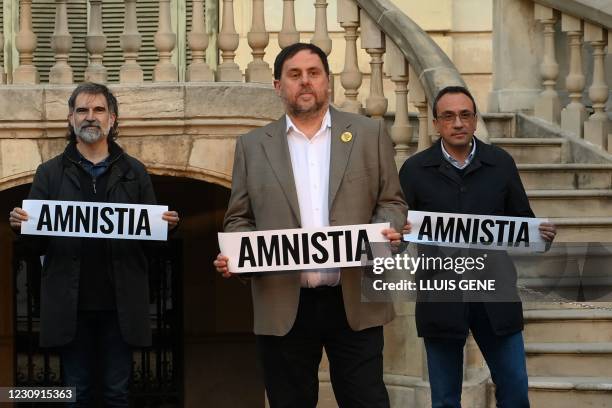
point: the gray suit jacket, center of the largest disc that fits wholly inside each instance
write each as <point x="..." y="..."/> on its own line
<point x="363" y="188"/>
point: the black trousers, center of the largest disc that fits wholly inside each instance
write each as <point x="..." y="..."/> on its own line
<point x="291" y="362"/>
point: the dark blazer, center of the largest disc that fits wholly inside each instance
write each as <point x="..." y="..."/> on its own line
<point x="363" y="188"/>
<point x="490" y="186"/>
<point x="58" y="179"/>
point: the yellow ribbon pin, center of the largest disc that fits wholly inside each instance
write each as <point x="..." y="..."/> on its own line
<point x="346" y="137"/>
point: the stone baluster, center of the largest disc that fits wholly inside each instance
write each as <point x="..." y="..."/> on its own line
<point x="401" y="131"/>
<point x="288" y="34"/>
<point x="25" y="42"/>
<point x="547" y="105"/>
<point x="165" y="41"/>
<point x="350" y="78"/>
<point x="96" y="44"/>
<point x="130" y="40"/>
<point x="61" y="43"/>
<point x="198" y="70"/>
<point x="419" y="100"/>
<point x="373" y="41"/>
<point x="2" y="74"/>
<point x="228" y="42"/>
<point x="258" y="70"/>
<point x="320" y="37"/>
<point x="574" y="114"/>
<point x="596" y="127"/>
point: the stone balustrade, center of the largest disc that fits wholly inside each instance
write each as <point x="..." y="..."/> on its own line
<point x="359" y="96"/>
<point x="593" y="125"/>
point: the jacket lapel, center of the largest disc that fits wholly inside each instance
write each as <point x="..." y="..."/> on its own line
<point x="276" y="149"/>
<point x="340" y="151"/>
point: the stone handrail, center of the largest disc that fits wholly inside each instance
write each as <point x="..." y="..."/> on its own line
<point x="598" y="12"/>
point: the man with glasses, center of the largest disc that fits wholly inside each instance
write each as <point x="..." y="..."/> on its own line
<point x="461" y="174"/>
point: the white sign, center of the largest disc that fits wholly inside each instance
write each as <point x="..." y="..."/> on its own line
<point x="475" y="231"/>
<point x="95" y="220"/>
<point x="300" y="248"/>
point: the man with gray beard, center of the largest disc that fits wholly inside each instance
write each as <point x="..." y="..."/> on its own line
<point x="94" y="292"/>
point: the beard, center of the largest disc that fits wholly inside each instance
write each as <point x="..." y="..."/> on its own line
<point x="295" y="109"/>
<point x="90" y="132"/>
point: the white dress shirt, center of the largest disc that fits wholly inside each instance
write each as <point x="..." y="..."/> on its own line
<point x="310" y="160"/>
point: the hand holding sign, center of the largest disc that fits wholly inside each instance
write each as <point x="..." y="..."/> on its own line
<point x="221" y="266"/>
<point x="172" y="218"/>
<point x="16" y="217"/>
<point x="548" y="231"/>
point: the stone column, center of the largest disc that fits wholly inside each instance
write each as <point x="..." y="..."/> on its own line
<point x="25" y="42"/>
<point x="596" y="127"/>
<point x="198" y="70"/>
<point x="130" y="71"/>
<point x="401" y="131"/>
<point x="288" y="34"/>
<point x="2" y="74"/>
<point x="165" y="41"/>
<point x="373" y="41"/>
<point x="61" y="43"/>
<point x="547" y="104"/>
<point x="321" y="39"/>
<point x="574" y="114"/>
<point x="228" y="42"/>
<point x="350" y="78"/>
<point x="258" y="70"/>
<point x="419" y="100"/>
<point x="95" y="44"/>
<point x="515" y="68"/>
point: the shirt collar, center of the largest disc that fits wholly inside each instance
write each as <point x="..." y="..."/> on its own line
<point x="454" y="161"/>
<point x="83" y="160"/>
<point x="324" y="124"/>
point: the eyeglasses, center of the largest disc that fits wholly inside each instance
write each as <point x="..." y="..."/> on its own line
<point x="449" y="117"/>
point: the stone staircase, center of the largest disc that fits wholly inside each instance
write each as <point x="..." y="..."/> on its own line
<point x="568" y="347"/>
<point x="569" y="356"/>
<point x="562" y="185"/>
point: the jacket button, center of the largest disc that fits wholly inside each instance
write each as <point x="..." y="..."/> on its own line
<point x="74" y="258"/>
<point x="463" y="189"/>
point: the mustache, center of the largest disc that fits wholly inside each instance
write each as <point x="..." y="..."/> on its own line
<point x="88" y="123"/>
<point x="306" y="91"/>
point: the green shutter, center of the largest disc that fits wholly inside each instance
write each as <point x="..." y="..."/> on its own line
<point x="112" y="22"/>
<point x="43" y="24"/>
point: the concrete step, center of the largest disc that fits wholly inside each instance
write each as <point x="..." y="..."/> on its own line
<point x="569" y="359"/>
<point x="565" y="176"/>
<point x="568" y="326"/>
<point x="570" y="392"/>
<point x="534" y="150"/>
<point x="583" y="229"/>
<point x="571" y="203"/>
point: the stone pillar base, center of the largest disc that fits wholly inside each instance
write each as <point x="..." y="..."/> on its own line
<point x="200" y="72"/>
<point x="25" y="74"/>
<point x="596" y="132"/>
<point x="547" y="107"/>
<point x="165" y="72"/>
<point x="258" y="71"/>
<point x="131" y="74"/>
<point x="229" y="72"/>
<point x="572" y="120"/>
<point x="60" y="74"/>
<point x="95" y="73"/>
